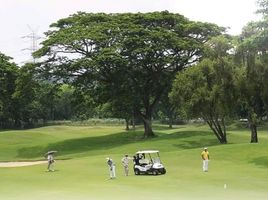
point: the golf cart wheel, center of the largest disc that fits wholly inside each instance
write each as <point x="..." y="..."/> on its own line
<point x="137" y="171"/>
<point x="155" y="172"/>
<point x="163" y="171"/>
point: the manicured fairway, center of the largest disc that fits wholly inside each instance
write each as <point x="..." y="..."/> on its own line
<point x="82" y="174"/>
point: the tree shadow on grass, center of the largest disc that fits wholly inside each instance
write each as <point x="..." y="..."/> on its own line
<point x="196" y="144"/>
<point x="82" y="144"/>
<point x="107" y="142"/>
<point x="184" y="134"/>
<point x="166" y="127"/>
<point x="260" y="161"/>
<point x="192" y="139"/>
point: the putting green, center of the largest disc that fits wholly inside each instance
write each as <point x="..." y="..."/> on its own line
<point x="238" y="170"/>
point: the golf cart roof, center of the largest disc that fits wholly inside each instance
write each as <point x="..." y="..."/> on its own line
<point x="147" y="151"/>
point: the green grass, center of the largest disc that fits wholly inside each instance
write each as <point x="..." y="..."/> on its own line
<point x="81" y="170"/>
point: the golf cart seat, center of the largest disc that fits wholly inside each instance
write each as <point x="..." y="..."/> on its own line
<point x="144" y="162"/>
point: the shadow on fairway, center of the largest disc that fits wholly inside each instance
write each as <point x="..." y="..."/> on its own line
<point x="261" y="161"/>
<point x="184" y="134"/>
<point x="192" y="139"/>
<point x="166" y="127"/>
<point x="71" y="146"/>
<point x="196" y="144"/>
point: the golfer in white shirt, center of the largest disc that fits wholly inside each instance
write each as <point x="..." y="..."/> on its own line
<point x="125" y="162"/>
<point x="50" y="160"/>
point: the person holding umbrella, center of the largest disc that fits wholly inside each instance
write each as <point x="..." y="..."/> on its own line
<point x="111" y="166"/>
<point x="50" y="160"/>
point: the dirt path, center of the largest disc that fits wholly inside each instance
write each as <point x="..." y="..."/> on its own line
<point x="22" y="163"/>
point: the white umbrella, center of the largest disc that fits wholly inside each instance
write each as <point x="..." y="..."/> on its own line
<point x="51" y="152"/>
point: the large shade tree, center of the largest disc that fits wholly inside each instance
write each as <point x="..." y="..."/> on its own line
<point x="136" y="53"/>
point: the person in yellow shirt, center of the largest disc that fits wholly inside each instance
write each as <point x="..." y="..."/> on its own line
<point x="205" y="158"/>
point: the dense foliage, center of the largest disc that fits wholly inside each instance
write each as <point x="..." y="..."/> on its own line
<point x="123" y="66"/>
<point x="207" y="90"/>
<point x="125" y="59"/>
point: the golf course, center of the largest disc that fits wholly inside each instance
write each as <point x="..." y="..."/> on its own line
<point x="237" y="170"/>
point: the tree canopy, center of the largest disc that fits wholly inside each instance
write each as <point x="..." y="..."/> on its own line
<point x="207" y="90"/>
<point x="8" y="75"/>
<point x="252" y="50"/>
<point x="135" y="54"/>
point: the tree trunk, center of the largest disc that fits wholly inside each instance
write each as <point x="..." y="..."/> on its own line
<point x="252" y="120"/>
<point x="223" y="139"/>
<point x="218" y="129"/>
<point x="170" y="122"/>
<point x="127" y="124"/>
<point x="133" y="123"/>
<point x="254" y="133"/>
<point x="148" y="131"/>
<point x="52" y="114"/>
<point x="17" y="123"/>
<point x="147" y="122"/>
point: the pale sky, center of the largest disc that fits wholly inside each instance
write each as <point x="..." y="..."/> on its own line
<point x="20" y="18"/>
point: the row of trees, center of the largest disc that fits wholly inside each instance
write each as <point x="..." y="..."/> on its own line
<point x="26" y="99"/>
<point x="128" y="62"/>
<point x="230" y="81"/>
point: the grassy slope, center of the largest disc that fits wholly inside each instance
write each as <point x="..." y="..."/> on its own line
<point x="83" y="175"/>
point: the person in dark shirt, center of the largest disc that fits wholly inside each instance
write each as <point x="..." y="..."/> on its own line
<point x="136" y="159"/>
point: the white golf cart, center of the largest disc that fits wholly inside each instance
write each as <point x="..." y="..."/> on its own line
<point x="148" y="162"/>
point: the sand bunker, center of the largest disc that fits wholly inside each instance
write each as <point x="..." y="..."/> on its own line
<point x="22" y="163"/>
